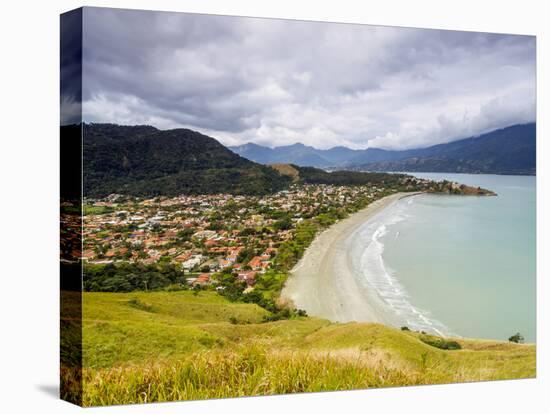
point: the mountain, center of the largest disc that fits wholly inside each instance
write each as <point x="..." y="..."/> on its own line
<point x="298" y="154"/>
<point x="144" y="161"/>
<point x="255" y="152"/>
<point x="510" y="150"/>
<point x="307" y="156"/>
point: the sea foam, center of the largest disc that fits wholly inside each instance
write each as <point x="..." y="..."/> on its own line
<point x="365" y="254"/>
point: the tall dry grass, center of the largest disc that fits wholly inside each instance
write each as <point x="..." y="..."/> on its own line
<point x="253" y="371"/>
<point x="187" y="350"/>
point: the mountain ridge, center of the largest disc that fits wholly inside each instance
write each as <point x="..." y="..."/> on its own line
<point x="142" y="160"/>
<point x="509" y="150"/>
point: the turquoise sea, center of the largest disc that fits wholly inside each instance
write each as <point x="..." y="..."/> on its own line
<point x="461" y="265"/>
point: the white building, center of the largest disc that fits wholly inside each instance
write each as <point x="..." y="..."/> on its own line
<point x="193" y="261"/>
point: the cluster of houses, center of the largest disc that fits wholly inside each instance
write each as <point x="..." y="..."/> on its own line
<point x="70" y="235"/>
<point x="206" y="234"/>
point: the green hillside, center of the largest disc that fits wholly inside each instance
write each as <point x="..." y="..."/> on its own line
<point x="161" y="346"/>
<point x="144" y="161"/>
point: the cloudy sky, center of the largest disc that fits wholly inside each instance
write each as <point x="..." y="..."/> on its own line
<point x="277" y="82"/>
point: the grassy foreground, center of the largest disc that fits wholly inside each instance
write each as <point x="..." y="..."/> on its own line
<point x="162" y="346"/>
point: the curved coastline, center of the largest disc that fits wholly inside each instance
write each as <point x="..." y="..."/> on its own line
<point x="322" y="282"/>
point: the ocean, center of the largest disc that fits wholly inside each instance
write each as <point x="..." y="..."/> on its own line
<point x="455" y="265"/>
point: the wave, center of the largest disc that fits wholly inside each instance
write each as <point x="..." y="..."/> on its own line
<point x="366" y="256"/>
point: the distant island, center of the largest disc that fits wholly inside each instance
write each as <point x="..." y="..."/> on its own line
<point x="510" y="150"/>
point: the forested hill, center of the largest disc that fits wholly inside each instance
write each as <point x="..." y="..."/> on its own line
<point x="144" y="161"/>
<point x="311" y="175"/>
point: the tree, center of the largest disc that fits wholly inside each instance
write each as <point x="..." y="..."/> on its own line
<point x="215" y="226"/>
<point x="283" y="224"/>
<point x="517" y="338"/>
<point x="248" y="231"/>
<point x="245" y="255"/>
<point x="185" y="235"/>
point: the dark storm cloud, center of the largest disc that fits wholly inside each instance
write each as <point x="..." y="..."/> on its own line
<point x="277" y="82"/>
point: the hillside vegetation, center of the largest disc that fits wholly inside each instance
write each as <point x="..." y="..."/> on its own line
<point x="310" y="175"/>
<point x="287" y="170"/>
<point x="144" y="161"/>
<point x="162" y="346"/>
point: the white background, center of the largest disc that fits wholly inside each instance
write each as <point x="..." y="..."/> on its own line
<point x="29" y="210"/>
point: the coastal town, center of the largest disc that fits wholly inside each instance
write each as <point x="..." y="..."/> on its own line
<point x="203" y="235"/>
<point x="206" y="234"/>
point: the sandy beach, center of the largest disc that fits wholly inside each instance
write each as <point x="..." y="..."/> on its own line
<point x="322" y="282"/>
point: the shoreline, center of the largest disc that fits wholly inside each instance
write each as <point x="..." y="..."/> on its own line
<point x="322" y="282"/>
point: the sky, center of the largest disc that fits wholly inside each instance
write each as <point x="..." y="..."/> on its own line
<point x="278" y="82"/>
